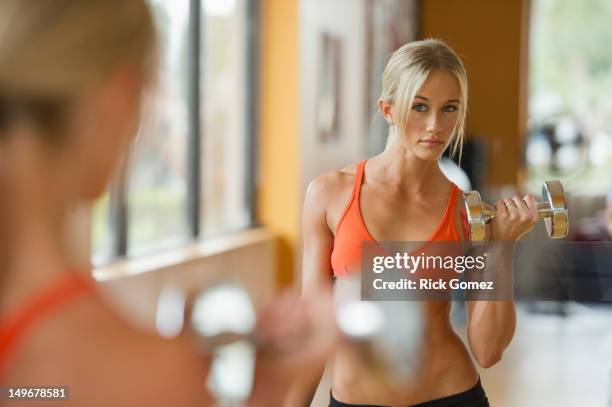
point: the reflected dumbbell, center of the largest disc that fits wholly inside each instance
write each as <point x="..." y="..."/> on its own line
<point x="553" y="209"/>
<point x="386" y="336"/>
<point x="224" y="324"/>
<point x="224" y="319"/>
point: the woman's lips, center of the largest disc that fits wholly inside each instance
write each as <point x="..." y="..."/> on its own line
<point x="431" y="143"/>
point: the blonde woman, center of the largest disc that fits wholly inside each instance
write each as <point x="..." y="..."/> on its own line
<point x="72" y="74"/>
<point x="402" y="195"/>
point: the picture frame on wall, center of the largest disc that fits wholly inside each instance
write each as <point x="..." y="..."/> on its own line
<point x="329" y="89"/>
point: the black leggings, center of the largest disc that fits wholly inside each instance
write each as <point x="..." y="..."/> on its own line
<point x="474" y="397"/>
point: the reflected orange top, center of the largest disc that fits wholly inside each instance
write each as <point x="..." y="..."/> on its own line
<point x="14" y="327"/>
<point x="351" y="230"/>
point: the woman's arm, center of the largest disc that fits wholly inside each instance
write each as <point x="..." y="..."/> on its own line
<point x="318" y="240"/>
<point x="316" y="271"/>
<point x="491" y="327"/>
<point x="491" y="324"/>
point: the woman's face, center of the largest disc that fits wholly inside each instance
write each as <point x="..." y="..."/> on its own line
<point x="433" y="116"/>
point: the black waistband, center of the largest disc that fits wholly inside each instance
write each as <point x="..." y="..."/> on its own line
<point x="474" y="397"/>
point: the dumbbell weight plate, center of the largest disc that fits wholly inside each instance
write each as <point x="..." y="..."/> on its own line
<point x="557" y="224"/>
<point x="387" y="336"/>
<point x="224" y="316"/>
<point x="475" y="215"/>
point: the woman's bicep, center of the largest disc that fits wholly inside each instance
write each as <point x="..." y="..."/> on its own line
<point x="316" y="261"/>
<point x="317" y="240"/>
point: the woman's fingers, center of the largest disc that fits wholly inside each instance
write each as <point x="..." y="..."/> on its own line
<point x="515" y="216"/>
<point x="501" y="209"/>
<point x="520" y="203"/>
<point x="532" y="204"/>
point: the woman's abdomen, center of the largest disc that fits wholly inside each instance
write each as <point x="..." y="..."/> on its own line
<point x="445" y="368"/>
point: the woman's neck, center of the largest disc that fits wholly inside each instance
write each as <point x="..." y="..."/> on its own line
<point x="38" y="185"/>
<point x="33" y="250"/>
<point x="400" y="169"/>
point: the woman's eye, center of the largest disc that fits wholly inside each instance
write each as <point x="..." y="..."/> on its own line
<point x="419" y="107"/>
<point x="450" y="108"/>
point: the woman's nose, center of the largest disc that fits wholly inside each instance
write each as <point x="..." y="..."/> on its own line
<point x="433" y="123"/>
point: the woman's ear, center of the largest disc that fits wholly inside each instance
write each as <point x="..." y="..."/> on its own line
<point x="386" y="111"/>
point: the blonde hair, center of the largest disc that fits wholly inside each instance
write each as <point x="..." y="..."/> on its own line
<point x="408" y="69"/>
<point x="51" y="50"/>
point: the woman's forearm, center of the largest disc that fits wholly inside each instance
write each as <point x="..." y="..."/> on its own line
<point x="491" y="322"/>
<point x="490" y="329"/>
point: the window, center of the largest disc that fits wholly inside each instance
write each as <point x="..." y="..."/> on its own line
<point x="189" y="171"/>
<point x="570" y="104"/>
<point x="157" y="192"/>
<point x="226" y="73"/>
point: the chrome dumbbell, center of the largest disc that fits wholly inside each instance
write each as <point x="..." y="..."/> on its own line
<point x="224" y="326"/>
<point x="386" y="337"/>
<point x="223" y="320"/>
<point x="553" y="209"/>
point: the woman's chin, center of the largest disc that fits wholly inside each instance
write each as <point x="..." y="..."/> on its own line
<point x="94" y="189"/>
<point x="430" y="155"/>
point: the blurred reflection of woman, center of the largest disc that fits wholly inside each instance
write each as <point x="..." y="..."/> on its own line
<point x="402" y="195"/>
<point x="72" y="74"/>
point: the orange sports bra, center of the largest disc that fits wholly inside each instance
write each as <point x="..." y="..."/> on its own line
<point x="351" y="230"/>
<point x="13" y="328"/>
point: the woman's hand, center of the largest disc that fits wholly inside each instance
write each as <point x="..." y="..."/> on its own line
<point x="514" y="218"/>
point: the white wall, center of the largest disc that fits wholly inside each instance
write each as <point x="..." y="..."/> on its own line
<point x="346" y="20"/>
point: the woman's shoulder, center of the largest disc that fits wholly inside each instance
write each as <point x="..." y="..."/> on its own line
<point x="90" y="336"/>
<point x="327" y="193"/>
<point x="330" y="184"/>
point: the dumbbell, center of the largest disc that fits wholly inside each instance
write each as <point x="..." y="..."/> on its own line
<point x="222" y="320"/>
<point x="553" y="209"/>
<point x="385" y="335"/>
<point x="223" y="323"/>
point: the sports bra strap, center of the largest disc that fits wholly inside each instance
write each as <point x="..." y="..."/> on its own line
<point x="358" y="179"/>
<point x="450" y="206"/>
<point x="453" y="198"/>
<point x="14" y="327"/>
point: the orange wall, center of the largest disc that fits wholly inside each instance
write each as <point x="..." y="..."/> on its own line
<point x="279" y="183"/>
<point x="490" y="37"/>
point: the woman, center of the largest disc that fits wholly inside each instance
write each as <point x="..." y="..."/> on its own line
<point x="402" y="195"/>
<point x="72" y="75"/>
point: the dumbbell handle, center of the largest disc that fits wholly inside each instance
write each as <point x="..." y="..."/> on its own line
<point x="543" y="212"/>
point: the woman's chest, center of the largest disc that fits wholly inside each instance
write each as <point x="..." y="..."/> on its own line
<point x="391" y="218"/>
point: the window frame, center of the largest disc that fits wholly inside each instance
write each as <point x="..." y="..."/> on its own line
<point x="119" y="210"/>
